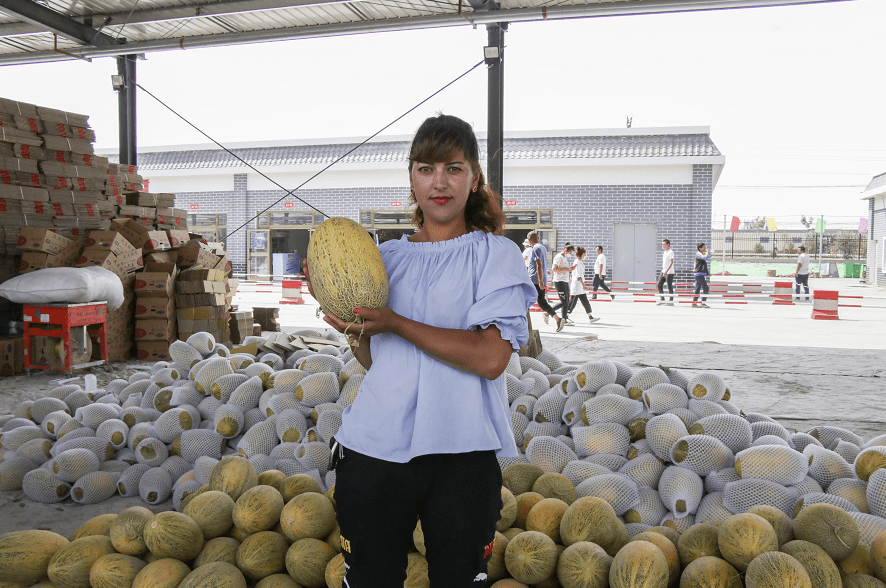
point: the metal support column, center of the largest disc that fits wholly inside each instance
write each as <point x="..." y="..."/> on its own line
<point x="495" y="109"/>
<point x="127" y="110"/>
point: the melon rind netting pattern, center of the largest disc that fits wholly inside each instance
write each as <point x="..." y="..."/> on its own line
<point x="705" y="408"/>
<point x="593" y="375"/>
<point x="577" y="471"/>
<point x="662" y="432"/>
<point x="40" y="485"/>
<point x="825" y="466"/>
<point x="770" y="428"/>
<point x="739" y="496"/>
<point x="769" y="440"/>
<point x="199" y="442"/>
<point x="876" y="493"/>
<point x="869" y="526"/>
<point x="94" y="487"/>
<point x="601" y="438"/>
<point x="830" y="435"/>
<point x="645" y="470"/>
<point x="530" y="363"/>
<point x="70" y="465"/>
<point x="681" y="490"/>
<point x="155" y="482"/>
<point x="716" y="481"/>
<point x="549" y="454"/>
<point x="663" y="397"/>
<point x="775" y="463"/>
<point x="649" y="507"/>
<point x="618" y="490"/>
<point x="645" y="379"/>
<point x="712" y="509"/>
<point x="732" y="430"/>
<point x="701" y="454"/>
<point x="706" y="386"/>
<point x="823" y="497"/>
<point x="549" y="406"/>
<point x="261" y="438"/>
<point x="610" y="408"/>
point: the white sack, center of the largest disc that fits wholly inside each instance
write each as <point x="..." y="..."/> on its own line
<point x="65" y="284"/>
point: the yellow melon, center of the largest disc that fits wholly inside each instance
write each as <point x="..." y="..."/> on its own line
<point x="233" y="475"/>
<point x="175" y="535"/>
<point x="333" y="539"/>
<point x="495" y="567"/>
<point x="776" y="569"/>
<point x="584" y="565"/>
<point x="743" y="537"/>
<point x="217" y="574"/>
<point x="25" y="555"/>
<point x="545" y="517"/>
<point x="296" y="484"/>
<point x="639" y="564"/>
<point x="115" y="570"/>
<point x="828" y="526"/>
<point x="271" y="478"/>
<point x="697" y="541"/>
<point x="862" y="581"/>
<point x="280" y="581"/>
<point x="525" y="502"/>
<point x="218" y="549"/>
<point x="163" y="573"/>
<point x="99" y="525"/>
<point x="589" y="519"/>
<point x="306" y="562"/>
<point x="346" y="269"/>
<point x="822" y="570"/>
<point x="258" y="509"/>
<point x="554" y="485"/>
<point x="70" y="565"/>
<point x="620" y="538"/>
<point x="334" y="574"/>
<point x="512" y="532"/>
<point x="857" y="562"/>
<point x="508" y="510"/>
<point x="308" y="515"/>
<point x="531" y="557"/>
<point x="781" y="523"/>
<point x="212" y="511"/>
<point x="668" y="549"/>
<point x="509" y="583"/>
<point x="236" y="533"/>
<point x="262" y="554"/>
<point x="878" y="556"/>
<point x="710" y="572"/>
<point x="127" y="530"/>
<point x="519" y="477"/>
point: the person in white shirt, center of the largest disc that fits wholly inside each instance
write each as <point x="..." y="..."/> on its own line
<point x="600" y="273"/>
<point x="577" y="290"/>
<point x="803" y="271"/>
<point x="667" y="272"/>
<point x="560" y="270"/>
<point x="527" y="252"/>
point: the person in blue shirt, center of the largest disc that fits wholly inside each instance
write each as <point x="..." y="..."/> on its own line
<point x="538" y="272"/>
<point x="702" y="259"/>
<point x="420" y="440"/>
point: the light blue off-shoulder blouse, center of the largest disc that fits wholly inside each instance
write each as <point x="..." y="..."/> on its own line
<point x="410" y="404"/>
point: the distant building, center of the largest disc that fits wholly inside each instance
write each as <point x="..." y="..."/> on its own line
<point x="875" y="194"/>
<point x="624" y="189"/>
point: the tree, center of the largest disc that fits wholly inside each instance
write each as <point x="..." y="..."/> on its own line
<point x="807" y="221"/>
<point x="756" y="223"/>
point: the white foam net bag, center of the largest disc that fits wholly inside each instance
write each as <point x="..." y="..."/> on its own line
<point x="94" y="487"/>
<point x="879" y="440"/>
<point x="287" y="380"/>
<point x="638" y="448"/>
<point x="534" y="383"/>
<point x="808" y="485"/>
<point x="865" y="460"/>
<point x="556" y="380"/>
<point x="848" y="451"/>
<point x="822" y="497"/>
<point x="155" y="485"/>
<point x="623" y="373"/>
<point x="649" y="509"/>
<point x="282" y="402"/>
<point x="328" y="424"/>
<point x="536" y="429"/>
<point x="203" y="342"/>
<point x="165" y="377"/>
<point x="114" y="431"/>
<point x="317" y="389"/>
<point x="37" y="450"/>
<point x="349" y="390"/>
<point x="663" y="397"/>
<point x="134" y="415"/>
<point x="701" y="454"/>
<point x="770" y="440"/>
<point x="354" y="368"/>
<point x="173" y="423"/>
<point x="199" y="442"/>
<point x="114" y="386"/>
<point x="16" y="422"/>
<point x="645" y="379"/>
<point x="830" y="435"/>
<point x="549" y="406"/>
<point x="261" y="463"/>
<point x="504" y="462"/>
<point x="869" y="526"/>
<point x="43" y="406"/>
<point x="635" y="529"/>
<point x="739" y="496"/>
<point x="293" y="357"/>
<point x="314" y="456"/>
<point x="775" y="463"/>
<point x="60" y="392"/>
<point x="855" y="491"/>
<point x="732" y="430"/>
<point x="576" y="471"/>
<point x="729" y="407"/>
<point x="262" y="370"/>
<point x="549" y="359"/>
<point x="680" y="524"/>
<point x="182" y="353"/>
<point x="609" y="461"/>
<point x="115" y="466"/>
<point x="203" y="467"/>
<point x="566" y="370"/>
<point x="712" y="509"/>
<point x="572" y="408"/>
<point x="825" y="466"/>
<point x="228" y="420"/>
<point x="291" y="426"/>
<point x="208" y="406"/>
<point x="320" y="362"/>
<point x="567" y="440"/>
<point x="569" y="385"/>
<point x="15" y="438"/>
<point x="40" y="485"/>
<point x="13" y="469"/>
<point x="254" y="416"/>
<point x="247" y="394"/>
<point x="136" y="387"/>
<point x="876" y="493"/>
<point x="519" y="422"/>
<point x="716" y="481"/>
<point x="645" y="470"/>
<point x="212" y="369"/>
<point x="618" y="490"/>
<point x="676" y="377"/>
<point x="610" y="408"/>
<point x="151" y="451"/>
<point x="549" y="454"/>
<point x="601" y="438"/>
<point x="177" y="466"/>
<point x="617" y="389"/>
<point x="284" y="451"/>
<point x="705" y="408"/>
<point x="147" y="397"/>
<point x="95" y="414"/>
<point x="593" y="375"/>
<point x="706" y="386"/>
<point x="224" y="386"/>
<point x="77" y="399"/>
<point x="72" y="464"/>
<point x="514" y="368"/>
<point x="688" y="417"/>
<point x="761" y="428"/>
<point x="98" y="447"/>
<point x="681" y="490"/>
<point x="182" y="491"/>
<point x="261" y="438"/>
<point x="52" y="422"/>
<point x="662" y="432"/>
<point x="513" y="385"/>
<point x="530" y="363"/>
<point x="524" y="405"/>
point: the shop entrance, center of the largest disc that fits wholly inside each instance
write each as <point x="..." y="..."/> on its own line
<point x="518" y="223"/>
<point x="279" y="244"/>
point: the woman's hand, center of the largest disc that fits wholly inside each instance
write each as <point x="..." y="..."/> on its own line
<point x="304" y="269"/>
<point x="375" y="321"/>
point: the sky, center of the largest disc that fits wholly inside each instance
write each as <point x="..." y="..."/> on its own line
<point x="794" y="96"/>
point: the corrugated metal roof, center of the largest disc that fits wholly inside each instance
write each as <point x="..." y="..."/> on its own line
<point x="587" y="147"/>
<point x="876" y="183"/>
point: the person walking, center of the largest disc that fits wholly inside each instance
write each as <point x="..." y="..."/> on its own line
<point x="600" y="273"/>
<point x="538" y="271"/>
<point x="456" y="312"/>
<point x="702" y="260"/>
<point x="667" y="272"/>
<point x="803" y="272"/>
<point x="560" y="276"/>
<point x="577" y="290"/>
<point x="527" y="252"/>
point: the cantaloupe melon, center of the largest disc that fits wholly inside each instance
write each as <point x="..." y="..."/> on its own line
<point x="862" y="581"/>
<point x="25" y="555"/>
<point x="346" y="269"/>
<point x="306" y="562"/>
<point x="127" y="530"/>
<point x="258" y="509"/>
<point x="281" y="581"/>
<point x="175" y="535"/>
<point x="70" y="565"/>
<point x="509" y="583"/>
<point x="233" y="475"/>
<point x="776" y="569"/>
<point x="308" y="515"/>
<point x="163" y="573"/>
<point x="584" y="565"/>
<point x="554" y="485"/>
<point x="668" y="549"/>
<point x="781" y="523"/>
<point x="333" y="539"/>
<point x="857" y="562"/>
<point x="668" y="532"/>
<point x="115" y="570"/>
<point x="512" y="532"/>
<point x="545" y="517"/>
<point x="262" y="554"/>
<point x="639" y="564"/>
<point x="495" y="567"/>
<point x="519" y="477"/>
<point x="218" y="549"/>
<point x="335" y="572"/>
<point x="710" y="572"/>
<point x="589" y="519"/>
<point x="828" y="526"/>
<point x="743" y="537"/>
<point x="620" y="538"/>
<point x="697" y="541"/>
<point x="878" y="556"/>
<point x="525" y="502"/>
<point x="98" y="525"/>
<point x="215" y="575"/>
<point x="508" y="510"/>
<point x="531" y="557"/>
<point x="296" y="484"/>
<point x="822" y="571"/>
<point x="236" y="533"/>
<point x="212" y="511"/>
<point x="271" y="478"/>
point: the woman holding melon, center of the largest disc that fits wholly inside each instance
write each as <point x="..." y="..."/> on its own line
<point x="422" y="436"/>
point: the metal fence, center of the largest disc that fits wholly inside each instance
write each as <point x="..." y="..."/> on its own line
<point x="835" y="245"/>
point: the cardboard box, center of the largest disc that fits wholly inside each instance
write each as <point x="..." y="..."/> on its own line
<point x="12" y="356"/>
<point x="32" y="260"/>
<point x="154" y="284"/>
<point x="155" y="307"/>
<point x="192" y="254"/>
<point x="131" y="261"/>
<point x="202" y="313"/>
<point x="109" y="240"/>
<point x="43" y="240"/>
<point x="209" y="325"/>
<point x="100" y="258"/>
<point x="141" y="236"/>
<point x="177" y="238"/>
<point x="161" y="257"/>
<point x="196" y="300"/>
<point x="201" y="273"/>
<point x="152" y="350"/>
<point x="155" y="330"/>
<point x="200" y="287"/>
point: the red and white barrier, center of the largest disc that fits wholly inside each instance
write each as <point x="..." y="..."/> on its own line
<point x="784" y="293"/>
<point x="292" y="292"/>
<point x="825" y="304"/>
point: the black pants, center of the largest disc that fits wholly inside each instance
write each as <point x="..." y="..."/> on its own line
<point x="803" y="279"/>
<point x="584" y="302"/>
<point x="457" y="496"/>
<point x="599" y="283"/>
<point x="563" y="294"/>
<point x="543" y="302"/>
<point x="661" y="282"/>
<point x="701" y="283"/>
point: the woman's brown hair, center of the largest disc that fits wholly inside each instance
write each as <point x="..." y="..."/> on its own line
<point x="436" y="140"/>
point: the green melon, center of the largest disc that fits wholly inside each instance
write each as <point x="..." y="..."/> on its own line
<point x="25" y="555"/>
<point x="258" y="509"/>
<point x="668" y="549"/>
<point x="508" y="510"/>
<point x="519" y="477"/>
<point x="306" y="562"/>
<point x="308" y="515"/>
<point x="639" y="564"/>
<point x="710" y="572"/>
<point x="589" y="519"/>
<point x="545" y="517"/>
<point x="531" y="557"/>
<point x="822" y="571"/>
<point x="233" y="475"/>
<point x="743" y="537"/>
<point x="554" y="485"/>
<point x="218" y="549"/>
<point x="70" y="565"/>
<point x="98" y="525"/>
<point x="830" y="527"/>
<point x="212" y="511"/>
<point x="775" y="569"/>
<point x="262" y="554"/>
<point x="217" y="574"/>
<point x="175" y="535"/>
<point x="697" y="541"/>
<point x="584" y="565"/>
<point x="115" y="570"/>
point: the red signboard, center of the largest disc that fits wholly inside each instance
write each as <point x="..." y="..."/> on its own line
<point x="195" y="207"/>
<point x="289" y="205"/>
<point x="510" y="203"/>
<point x="396" y="203"/>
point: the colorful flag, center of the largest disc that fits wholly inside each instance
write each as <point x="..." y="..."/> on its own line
<point x="820" y="225"/>
<point x="735" y="224"/>
<point x="863" y="225"/>
<point x="770" y="224"/>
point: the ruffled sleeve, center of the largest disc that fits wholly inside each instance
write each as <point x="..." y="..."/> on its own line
<point x="503" y="292"/>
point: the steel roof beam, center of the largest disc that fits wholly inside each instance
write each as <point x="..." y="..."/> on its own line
<point x="56" y="22"/>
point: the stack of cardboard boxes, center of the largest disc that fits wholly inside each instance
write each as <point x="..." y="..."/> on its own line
<point x="266" y="318"/>
<point x="202" y="305"/>
<point x="240" y="325"/>
<point x="155" y="325"/>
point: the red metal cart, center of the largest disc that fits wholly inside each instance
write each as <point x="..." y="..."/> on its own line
<point x="58" y="320"/>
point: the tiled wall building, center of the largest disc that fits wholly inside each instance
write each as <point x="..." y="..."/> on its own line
<point x="623" y="189"/>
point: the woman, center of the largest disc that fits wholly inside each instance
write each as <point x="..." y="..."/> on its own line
<point x="577" y="289"/>
<point x="421" y="439"/>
